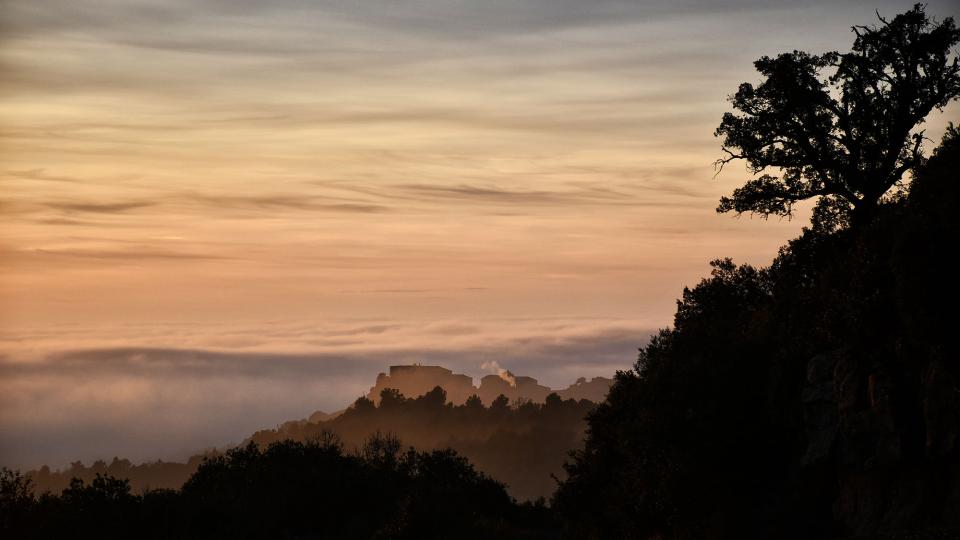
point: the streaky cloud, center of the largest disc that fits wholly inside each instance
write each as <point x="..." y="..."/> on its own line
<point x="100" y="208"/>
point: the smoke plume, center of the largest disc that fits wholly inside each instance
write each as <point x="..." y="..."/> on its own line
<point x="495" y="368"/>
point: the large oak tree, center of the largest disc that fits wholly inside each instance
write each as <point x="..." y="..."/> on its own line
<point x="842" y="128"/>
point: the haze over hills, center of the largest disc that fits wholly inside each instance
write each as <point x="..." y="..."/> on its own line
<point x="511" y="427"/>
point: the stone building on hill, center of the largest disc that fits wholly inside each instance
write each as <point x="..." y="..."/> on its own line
<point x="416" y="380"/>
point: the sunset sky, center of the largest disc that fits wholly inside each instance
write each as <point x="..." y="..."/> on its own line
<point x="216" y="215"/>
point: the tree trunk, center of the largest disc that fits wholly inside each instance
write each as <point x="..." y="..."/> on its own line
<point x="863" y="213"/>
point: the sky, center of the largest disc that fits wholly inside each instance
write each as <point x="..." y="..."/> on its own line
<point x="219" y="215"/>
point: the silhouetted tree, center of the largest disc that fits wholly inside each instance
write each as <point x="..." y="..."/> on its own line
<point x="553" y="401"/>
<point x="434" y="399"/>
<point x="363" y="405"/>
<point x="391" y="398"/>
<point x="16" y="497"/>
<point x="382" y="450"/>
<point x="846" y="137"/>
<point x="474" y="403"/>
<point x="500" y="405"/>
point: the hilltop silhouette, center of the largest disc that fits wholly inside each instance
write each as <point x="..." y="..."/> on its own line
<point x="520" y="436"/>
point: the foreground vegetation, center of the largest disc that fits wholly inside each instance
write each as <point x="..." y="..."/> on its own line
<point x="288" y="490"/>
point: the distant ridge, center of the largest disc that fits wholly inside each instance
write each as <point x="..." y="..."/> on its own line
<point x="414" y="380"/>
<point x="522" y="440"/>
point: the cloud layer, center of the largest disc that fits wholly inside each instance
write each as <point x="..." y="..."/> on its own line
<point x="145" y="402"/>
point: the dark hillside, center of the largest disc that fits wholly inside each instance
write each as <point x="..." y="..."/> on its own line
<point x="818" y="397"/>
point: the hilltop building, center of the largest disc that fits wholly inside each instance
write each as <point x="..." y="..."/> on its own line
<point x="415" y="380"/>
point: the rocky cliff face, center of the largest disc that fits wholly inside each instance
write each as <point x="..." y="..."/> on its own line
<point x="515" y="389"/>
<point x="594" y="390"/>
<point x="861" y="421"/>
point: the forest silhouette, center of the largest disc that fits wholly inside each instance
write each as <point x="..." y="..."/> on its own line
<point x="289" y="489"/>
<point x="818" y="397"/>
<point x="523" y="444"/>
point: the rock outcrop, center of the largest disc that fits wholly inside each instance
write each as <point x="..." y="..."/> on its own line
<point x="857" y="423"/>
<point x="415" y="380"/>
<point x="521" y="389"/>
<point x="594" y="390"/>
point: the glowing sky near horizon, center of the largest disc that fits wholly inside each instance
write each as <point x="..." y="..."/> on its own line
<point x="365" y="181"/>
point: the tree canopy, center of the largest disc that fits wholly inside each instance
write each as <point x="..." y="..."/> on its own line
<point x="842" y="128"/>
<point x="289" y="489"/>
